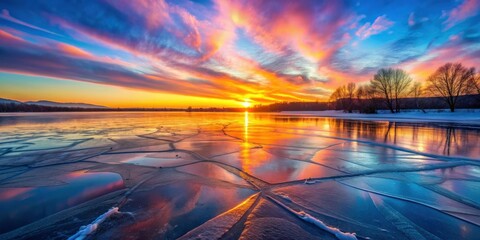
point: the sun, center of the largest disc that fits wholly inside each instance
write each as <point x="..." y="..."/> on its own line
<point x="246" y="104"/>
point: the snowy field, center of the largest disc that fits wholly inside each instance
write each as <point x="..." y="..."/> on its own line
<point x="143" y="175"/>
<point x="462" y="116"/>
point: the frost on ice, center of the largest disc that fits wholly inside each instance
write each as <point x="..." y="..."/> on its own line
<point x="90" y="228"/>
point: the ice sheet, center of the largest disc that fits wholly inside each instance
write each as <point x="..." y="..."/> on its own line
<point x="236" y="175"/>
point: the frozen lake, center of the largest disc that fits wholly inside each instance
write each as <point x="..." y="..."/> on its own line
<point x="144" y="175"/>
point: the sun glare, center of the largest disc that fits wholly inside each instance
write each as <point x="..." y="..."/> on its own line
<point x="246" y="104"/>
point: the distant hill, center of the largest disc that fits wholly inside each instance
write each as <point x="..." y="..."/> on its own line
<point x="8" y="101"/>
<point x="58" y="104"/>
<point x="9" y="105"/>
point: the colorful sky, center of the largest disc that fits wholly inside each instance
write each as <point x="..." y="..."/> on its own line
<point x="178" y="53"/>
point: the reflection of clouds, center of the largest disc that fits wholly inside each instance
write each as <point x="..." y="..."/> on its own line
<point x="25" y="205"/>
<point x="11" y="193"/>
<point x="92" y="192"/>
<point x="166" y="206"/>
<point x="159" y="207"/>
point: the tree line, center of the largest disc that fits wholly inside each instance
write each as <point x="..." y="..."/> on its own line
<point x="388" y="86"/>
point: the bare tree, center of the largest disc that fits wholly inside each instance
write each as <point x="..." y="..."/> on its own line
<point x="450" y="81"/>
<point x="366" y="99"/>
<point x="476" y="82"/>
<point x="350" y="94"/>
<point x="343" y="97"/>
<point x="417" y="91"/>
<point x="401" y="83"/>
<point x="360" y="95"/>
<point x="336" y="96"/>
<point x="392" y="84"/>
<point x="361" y="92"/>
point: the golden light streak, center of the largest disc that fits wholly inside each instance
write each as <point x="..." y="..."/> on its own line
<point x="246" y="146"/>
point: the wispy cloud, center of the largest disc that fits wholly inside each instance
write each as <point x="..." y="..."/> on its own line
<point x="379" y="25"/>
<point x="411" y="19"/>
<point x="6" y="15"/>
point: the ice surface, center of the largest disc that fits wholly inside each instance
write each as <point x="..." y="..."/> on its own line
<point x="152" y="159"/>
<point x="415" y="193"/>
<point x="211" y="170"/>
<point x="210" y="148"/>
<point x="236" y="176"/>
<point x="171" y="210"/>
<point x="275" y="169"/>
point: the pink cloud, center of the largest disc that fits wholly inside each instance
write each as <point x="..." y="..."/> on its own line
<point x="379" y="25"/>
<point x="411" y="19"/>
<point x="152" y="13"/>
<point x="465" y="10"/>
<point x="8" y="36"/>
<point x="73" y="51"/>
<point x="315" y="33"/>
<point x="452" y="52"/>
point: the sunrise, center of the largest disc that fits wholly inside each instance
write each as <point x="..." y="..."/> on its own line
<point x="239" y="119"/>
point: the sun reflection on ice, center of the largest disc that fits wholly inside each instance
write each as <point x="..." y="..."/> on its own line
<point x="245" y="125"/>
<point x="246" y="146"/>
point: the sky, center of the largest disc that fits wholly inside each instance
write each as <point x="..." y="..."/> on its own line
<point x="221" y="53"/>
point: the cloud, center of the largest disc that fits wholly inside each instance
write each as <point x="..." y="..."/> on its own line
<point x="6" y="36"/>
<point x="6" y="15"/>
<point x="411" y="19"/>
<point x="459" y="50"/>
<point x="379" y="25"/>
<point x="74" y="51"/>
<point x="175" y="44"/>
<point x="465" y="10"/>
<point x="64" y="61"/>
<point x="313" y="29"/>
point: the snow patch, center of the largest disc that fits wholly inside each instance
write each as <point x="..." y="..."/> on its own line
<point x="284" y="196"/>
<point x="310" y="181"/>
<point x="84" y="231"/>
<point x="317" y="222"/>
